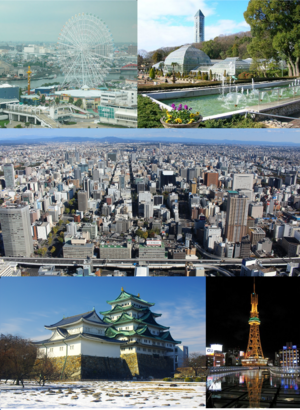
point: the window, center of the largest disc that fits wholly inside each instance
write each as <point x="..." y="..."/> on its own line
<point x="51" y="349"/>
<point x="72" y="347"/>
<point x="61" y="348"/>
<point x="149" y="350"/>
<point x="144" y="350"/>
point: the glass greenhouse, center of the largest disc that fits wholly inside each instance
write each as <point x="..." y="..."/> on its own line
<point x="187" y="58"/>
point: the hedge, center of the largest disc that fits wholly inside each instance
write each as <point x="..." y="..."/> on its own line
<point x="166" y="87"/>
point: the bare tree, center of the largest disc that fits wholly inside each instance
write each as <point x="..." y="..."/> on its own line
<point x="196" y="361"/>
<point x="17" y="356"/>
<point x="44" y="370"/>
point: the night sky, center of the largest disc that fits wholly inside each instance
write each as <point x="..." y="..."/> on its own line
<point x="228" y="311"/>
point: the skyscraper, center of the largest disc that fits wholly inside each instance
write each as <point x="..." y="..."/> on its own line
<point x="9" y="175"/>
<point x="77" y="175"/>
<point x="199" y="26"/>
<point x="16" y="229"/>
<point x="121" y="181"/>
<point x="236" y="216"/>
<point x="82" y="201"/>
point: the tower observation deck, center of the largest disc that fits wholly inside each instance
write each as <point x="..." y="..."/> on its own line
<point x="254" y="355"/>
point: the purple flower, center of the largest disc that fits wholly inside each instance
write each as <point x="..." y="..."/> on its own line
<point x="186" y="107"/>
<point x="173" y="106"/>
<point x="179" y="107"/>
<point x="190" y="109"/>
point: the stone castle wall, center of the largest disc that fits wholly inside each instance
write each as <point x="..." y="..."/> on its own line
<point x="143" y="365"/>
<point x="127" y="366"/>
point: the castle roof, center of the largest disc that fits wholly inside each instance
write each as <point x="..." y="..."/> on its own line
<point x="88" y="336"/>
<point x="148" y="319"/>
<point x="127" y="296"/>
<point x="88" y="316"/>
<point x="141" y="331"/>
<point x="119" y="309"/>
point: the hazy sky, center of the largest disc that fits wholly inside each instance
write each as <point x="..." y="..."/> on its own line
<point x="31" y="303"/>
<point x="239" y="134"/>
<point x="42" y="20"/>
<point x="171" y="23"/>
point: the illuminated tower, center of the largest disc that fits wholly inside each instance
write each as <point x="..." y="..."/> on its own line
<point x="254" y="355"/>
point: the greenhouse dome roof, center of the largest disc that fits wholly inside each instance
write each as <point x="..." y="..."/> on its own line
<point x="187" y="58"/>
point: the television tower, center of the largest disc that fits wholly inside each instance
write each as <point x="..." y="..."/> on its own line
<point x="254" y="355"/>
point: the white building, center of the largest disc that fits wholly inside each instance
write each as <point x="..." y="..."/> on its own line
<point x="242" y="181"/>
<point x="82" y="334"/>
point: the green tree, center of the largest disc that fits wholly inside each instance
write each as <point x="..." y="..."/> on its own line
<point x="152" y="73"/>
<point x="71" y="100"/>
<point x="53" y="249"/>
<point x="55" y="230"/>
<point x="57" y="100"/>
<point x="60" y="239"/>
<point x="67" y="211"/>
<point x="278" y="21"/>
<point x="78" y="103"/>
<point x="157" y="56"/>
<point x="43" y="99"/>
<point x="73" y="211"/>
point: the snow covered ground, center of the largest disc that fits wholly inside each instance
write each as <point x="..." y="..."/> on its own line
<point x="104" y="394"/>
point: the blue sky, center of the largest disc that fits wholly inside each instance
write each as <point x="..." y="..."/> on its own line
<point x="27" y="304"/>
<point x="239" y="134"/>
<point x="171" y="23"/>
<point x="42" y="20"/>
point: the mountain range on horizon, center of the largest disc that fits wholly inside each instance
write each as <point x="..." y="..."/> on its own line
<point x="117" y="140"/>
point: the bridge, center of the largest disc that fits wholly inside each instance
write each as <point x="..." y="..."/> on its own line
<point x="45" y="116"/>
<point x="218" y="265"/>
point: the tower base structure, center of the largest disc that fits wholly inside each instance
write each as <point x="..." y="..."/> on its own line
<point x="255" y="361"/>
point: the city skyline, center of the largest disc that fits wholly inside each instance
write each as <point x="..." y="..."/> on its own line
<point x="21" y="23"/>
<point x="276" y="302"/>
<point x="181" y="303"/>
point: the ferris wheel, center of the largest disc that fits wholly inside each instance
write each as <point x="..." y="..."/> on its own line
<point x="85" y="50"/>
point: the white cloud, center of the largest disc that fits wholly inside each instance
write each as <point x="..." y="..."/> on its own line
<point x="157" y="25"/>
<point x="155" y="34"/>
<point x="159" y="9"/>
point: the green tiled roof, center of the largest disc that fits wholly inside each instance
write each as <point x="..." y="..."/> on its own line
<point x="145" y="319"/>
<point x="126" y="296"/>
<point x="141" y="331"/>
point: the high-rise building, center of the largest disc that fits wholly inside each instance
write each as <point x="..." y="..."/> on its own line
<point x="86" y="186"/>
<point x="82" y="201"/>
<point x="16" y="229"/>
<point x="122" y="182"/>
<point x="289" y="356"/>
<point x="77" y="175"/>
<point x="9" y="175"/>
<point x="236" y="217"/>
<point x="211" y="178"/>
<point x="77" y="156"/>
<point x="199" y="26"/>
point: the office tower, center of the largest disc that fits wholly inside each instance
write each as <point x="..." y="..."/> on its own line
<point x="112" y="156"/>
<point x="77" y="156"/>
<point x="211" y="178"/>
<point x="77" y="175"/>
<point x="67" y="156"/>
<point x="9" y="175"/>
<point x="16" y="230"/>
<point x="199" y="26"/>
<point x="236" y="217"/>
<point x="148" y="210"/>
<point x="122" y="182"/>
<point x="86" y="186"/>
<point x="96" y="174"/>
<point x="167" y="177"/>
<point x="191" y="174"/>
<point x="82" y="201"/>
<point x="158" y="200"/>
<point x="242" y="181"/>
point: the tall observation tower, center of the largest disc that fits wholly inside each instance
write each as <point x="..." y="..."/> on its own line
<point x="254" y="355"/>
<point x="199" y="26"/>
